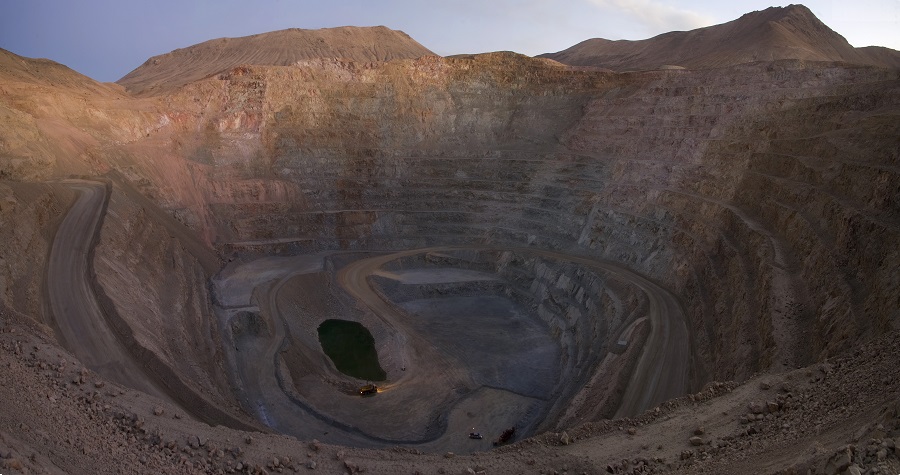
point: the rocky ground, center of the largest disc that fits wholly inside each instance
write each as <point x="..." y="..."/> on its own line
<point x="840" y="416"/>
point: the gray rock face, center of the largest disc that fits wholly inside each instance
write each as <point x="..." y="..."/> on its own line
<point x="709" y="181"/>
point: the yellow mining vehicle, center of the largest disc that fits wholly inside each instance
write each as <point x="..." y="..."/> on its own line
<point x="368" y="390"/>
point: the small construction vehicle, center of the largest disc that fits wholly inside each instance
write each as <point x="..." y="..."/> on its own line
<point x="368" y="390"/>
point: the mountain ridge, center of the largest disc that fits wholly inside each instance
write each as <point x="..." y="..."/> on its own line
<point x="792" y="32"/>
<point x="277" y="48"/>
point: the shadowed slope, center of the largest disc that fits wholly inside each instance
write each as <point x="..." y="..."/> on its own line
<point x="791" y="32"/>
<point x="278" y="48"/>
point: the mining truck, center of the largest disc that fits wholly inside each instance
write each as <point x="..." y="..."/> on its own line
<point x="368" y="390"/>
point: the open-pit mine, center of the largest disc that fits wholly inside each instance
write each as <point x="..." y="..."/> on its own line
<point x="681" y="264"/>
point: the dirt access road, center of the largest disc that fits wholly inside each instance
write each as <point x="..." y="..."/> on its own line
<point x="661" y="372"/>
<point x="84" y="327"/>
<point x="80" y="323"/>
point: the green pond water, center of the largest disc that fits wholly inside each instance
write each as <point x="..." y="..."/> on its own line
<point x="351" y="348"/>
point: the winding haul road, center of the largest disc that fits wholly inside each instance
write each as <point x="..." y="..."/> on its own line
<point x="79" y="321"/>
<point x="662" y="370"/>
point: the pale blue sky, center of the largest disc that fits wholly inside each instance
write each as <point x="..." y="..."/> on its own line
<point x="105" y="39"/>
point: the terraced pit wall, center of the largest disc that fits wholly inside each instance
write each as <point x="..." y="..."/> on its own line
<point x="765" y="196"/>
<point x="584" y="310"/>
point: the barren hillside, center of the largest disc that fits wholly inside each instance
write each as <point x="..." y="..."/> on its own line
<point x="791" y="32"/>
<point x="279" y="48"/>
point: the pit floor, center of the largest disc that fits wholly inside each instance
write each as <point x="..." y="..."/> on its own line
<point x="506" y="354"/>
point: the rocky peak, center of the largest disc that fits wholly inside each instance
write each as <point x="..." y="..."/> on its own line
<point x="791" y="32"/>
